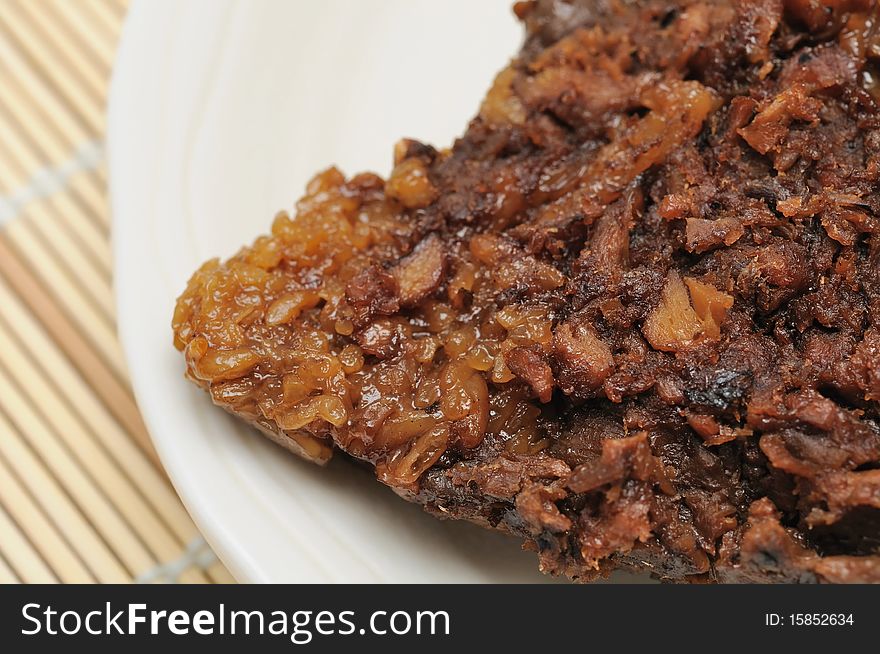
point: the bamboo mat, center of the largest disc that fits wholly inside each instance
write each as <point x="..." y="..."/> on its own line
<point x="83" y="497"/>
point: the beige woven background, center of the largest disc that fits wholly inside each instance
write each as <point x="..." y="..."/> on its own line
<point x="83" y="497"/>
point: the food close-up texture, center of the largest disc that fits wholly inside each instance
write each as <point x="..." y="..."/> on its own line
<point x="631" y="316"/>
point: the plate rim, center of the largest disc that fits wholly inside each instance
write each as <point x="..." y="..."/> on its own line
<point x="131" y="80"/>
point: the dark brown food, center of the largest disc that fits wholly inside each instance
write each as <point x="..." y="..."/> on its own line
<point x="632" y="316"/>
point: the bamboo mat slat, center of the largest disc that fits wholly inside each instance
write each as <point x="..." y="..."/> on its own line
<point x="91" y="36"/>
<point x="87" y="454"/>
<point x="40" y="531"/>
<point x="52" y="67"/>
<point x="59" y="508"/>
<point x="7" y="576"/>
<point x="21" y="554"/>
<point x="83" y="497"/>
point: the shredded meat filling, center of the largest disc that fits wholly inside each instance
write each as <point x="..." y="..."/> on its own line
<point x="632" y="316"/>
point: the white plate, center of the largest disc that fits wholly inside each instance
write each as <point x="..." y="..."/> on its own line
<point x="220" y="112"/>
